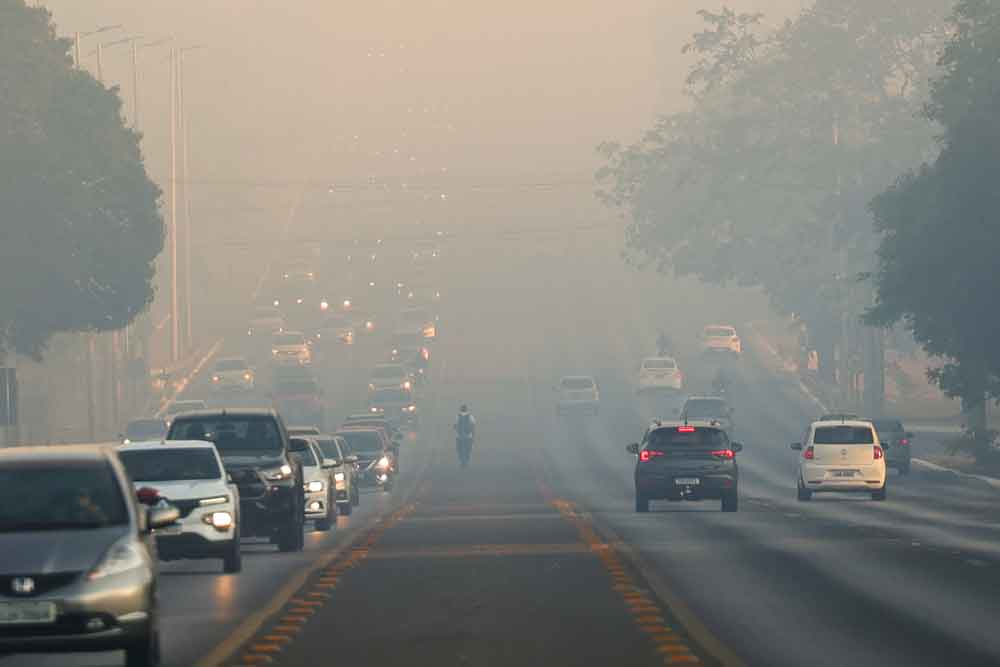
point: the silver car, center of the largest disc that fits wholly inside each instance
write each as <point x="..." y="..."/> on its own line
<point x="78" y="564"/>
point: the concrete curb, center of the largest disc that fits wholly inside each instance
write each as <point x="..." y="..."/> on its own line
<point x="991" y="481"/>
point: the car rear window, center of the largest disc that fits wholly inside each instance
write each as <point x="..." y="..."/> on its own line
<point x="363" y="441"/>
<point x="720" y="332"/>
<point x="230" y="365"/>
<point x="170" y="464"/>
<point x="289" y="339"/>
<point x="659" y="364"/>
<point x="329" y="448"/>
<point x="390" y="396"/>
<point x="578" y="383"/>
<point x="888" y="425"/>
<point x="230" y="433"/>
<point x="665" y="439"/>
<point x="388" y="372"/>
<point x="705" y="409"/>
<point x="843" y="435"/>
<point x="306" y="457"/>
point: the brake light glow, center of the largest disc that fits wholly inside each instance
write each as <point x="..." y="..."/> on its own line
<point x="724" y="454"/>
<point x="685" y="429"/>
<point x="904" y="442"/>
<point x="878" y="452"/>
<point x="809" y="453"/>
<point x="646" y="454"/>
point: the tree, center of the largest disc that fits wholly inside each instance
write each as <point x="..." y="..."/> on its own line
<point x="79" y="216"/>
<point x="765" y="180"/>
<point x="940" y="226"/>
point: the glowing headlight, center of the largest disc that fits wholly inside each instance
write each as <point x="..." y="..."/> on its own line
<point x="247" y="377"/>
<point x="299" y="301"/>
<point x="219" y="520"/>
<point x="407" y="385"/>
<point x="347" y="303"/>
<point x="315" y="487"/>
<point x="274" y="352"/>
<point x="383" y="462"/>
<point x="215" y="378"/>
<point x="277" y="303"/>
<point x="323" y="305"/>
<point x="284" y="472"/>
<point x="369" y="325"/>
<point x="411" y="408"/>
<point x="338" y="477"/>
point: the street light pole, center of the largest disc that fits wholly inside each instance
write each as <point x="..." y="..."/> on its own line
<point x="188" y="228"/>
<point x="174" y="328"/>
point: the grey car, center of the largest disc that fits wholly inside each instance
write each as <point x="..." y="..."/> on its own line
<point x="78" y="567"/>
<point x="895" y="441"/>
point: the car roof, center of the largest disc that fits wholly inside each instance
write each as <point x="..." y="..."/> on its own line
<point x="58" y="453"/>
<point x="845" y="422"/>
<point x="577" y="377"/>
<point x="167" y="444"/>
<point x="229" y="412"/>
<point x="659" y="358"/>
<point x="673" y="423"/>
<point x="720" y="326"/>
<point x="719" y="399"/>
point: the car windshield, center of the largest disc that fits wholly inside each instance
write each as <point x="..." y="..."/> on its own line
<point x="363" y="441"/>
<point x="289" y="339"/>
<point x="329" y="448"/>
<point x="719" y="332"/>
<point x="390" y="396"/>
<point x="388" y="372"/>
<point x="577" y="383"/>
<point x="170" y="464"/>
<point x="659" y="364"/>
<point x="57" y="496"/>
<point x="231" y="365"/>
<point x="843" y="435"/>
<point x="307" y="457"/>
<point x="146" y="429"/>
<point x="231" y="433"/>
<point x="664" y="439"/>
<point x="705" y="408"/>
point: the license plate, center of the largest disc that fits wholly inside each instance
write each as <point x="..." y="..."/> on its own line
<point x="14" y="613"/>
<point x="687" y="481"/>
<point x="843" y="473"/>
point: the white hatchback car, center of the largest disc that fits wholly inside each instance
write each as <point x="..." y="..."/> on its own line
<point x="320" y="486"/>
<point x="721" y="338"/>
<point x="291" y="347"/>
<point x="232" y="374"/>
<point x="390" y="376"/>
<point x="841" y="456"/>
<point x="660" y="373"/>
<point x="578" y="393"/>
<point x="189" y="475"/>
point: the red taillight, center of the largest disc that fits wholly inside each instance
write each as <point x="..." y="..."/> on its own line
<point x="904" y="442"/>
<point x="724" y="454"/>
<point x="685" y="429"/>
<point x="646" y="454"/>
<point x="878" y="452"/>
<point x="809" y="453"/>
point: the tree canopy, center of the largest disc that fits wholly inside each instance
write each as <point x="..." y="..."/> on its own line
<point x="939" y="225"/>
<point x="80" y="225"/>
<point x="766" y="178"/>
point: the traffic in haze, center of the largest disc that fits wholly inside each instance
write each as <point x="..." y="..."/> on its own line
<point x="345" y="405"/>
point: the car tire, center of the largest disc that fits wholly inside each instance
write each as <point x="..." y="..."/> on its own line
<point x="641" y="503"/>
<point x="882" y="493"/>
<point x="355" y="494"/>
<point x="731" y="501"/>
<point x="804" y="494"/>
<point x="145" y="651"/>
<point x="232" y="561"/>
<point x="345" y="509"/>
<point x="293" y="537"/>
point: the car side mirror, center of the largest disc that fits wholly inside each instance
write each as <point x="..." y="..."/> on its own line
<point x="632" y="448"/>
<point x="737" y="447"/>
<point x="297" y="445"/>
<point x="351" y="459"/>
<point x="159" y="517"/>
<point x="229" y="478"/>
<point x="797" y="446"/>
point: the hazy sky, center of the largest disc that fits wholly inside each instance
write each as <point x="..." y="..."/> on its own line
<point x="398" y="90"/>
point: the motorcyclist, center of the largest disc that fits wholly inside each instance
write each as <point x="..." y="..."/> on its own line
<point x="465" y="429"/>
<point x="663" y="343"/>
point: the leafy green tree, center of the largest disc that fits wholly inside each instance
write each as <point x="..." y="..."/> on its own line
<point x="940" y="225"/>
<point x="791" y="131"/>
<point x="79" y="220"/>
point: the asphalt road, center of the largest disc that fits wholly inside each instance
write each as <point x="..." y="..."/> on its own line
<point x="534" y="555"/>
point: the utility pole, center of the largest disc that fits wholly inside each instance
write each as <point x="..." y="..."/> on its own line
<point x="174" y="324"/>
<point x="182" y="109"/>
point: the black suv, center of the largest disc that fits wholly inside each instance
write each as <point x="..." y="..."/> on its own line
<point x="686" y="461"/>
<point x="257" y="453"/>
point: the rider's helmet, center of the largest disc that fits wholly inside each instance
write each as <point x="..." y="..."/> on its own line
<point x="464" y="409"/>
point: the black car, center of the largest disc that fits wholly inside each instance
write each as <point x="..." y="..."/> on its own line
<point x="257" y="453"/>
<point x="686" y="461"/>
<point x="895" y="440"/>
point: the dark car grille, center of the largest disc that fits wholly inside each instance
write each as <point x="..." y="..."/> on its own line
<point x="249" y="483"/>
<point x="44" y="583"/>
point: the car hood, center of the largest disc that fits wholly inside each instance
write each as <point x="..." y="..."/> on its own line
<point x="243" y="460"/>
<point x="47" y="552"/>
<point x="187" y="490"/>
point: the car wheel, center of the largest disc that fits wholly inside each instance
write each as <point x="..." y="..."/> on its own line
<point x="232" y="562"/>
<point x="731" y="501"/>
<point x="346" y="508"/>
<point x="355" y="495"/>
<point x="145" y="651"/>
<point x="641" y="503"/>
<point x="293" y="536"/>
<point x="881" y="493"/>
<point x="804" y="494"/>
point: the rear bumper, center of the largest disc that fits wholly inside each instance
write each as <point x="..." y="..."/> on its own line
<point x="709" y="487"/>
<point x="825" y="478"/>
